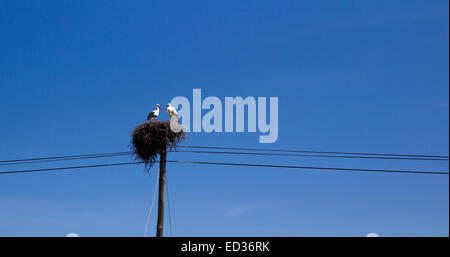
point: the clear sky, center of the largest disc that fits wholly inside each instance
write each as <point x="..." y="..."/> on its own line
<point x="368" y="76"/>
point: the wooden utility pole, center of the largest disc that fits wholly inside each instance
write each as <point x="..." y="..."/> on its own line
<point x="162" y="188"/>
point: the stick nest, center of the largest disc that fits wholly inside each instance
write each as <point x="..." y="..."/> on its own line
<point x="152" y="138"/>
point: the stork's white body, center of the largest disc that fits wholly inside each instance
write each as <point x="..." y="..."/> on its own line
<point x="173" y="114"/>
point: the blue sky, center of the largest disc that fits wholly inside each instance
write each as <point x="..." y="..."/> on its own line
<point x="367" y="76"/>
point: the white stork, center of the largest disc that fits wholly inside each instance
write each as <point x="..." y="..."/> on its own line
<point x="155" y="113"/>
<point x="173" y="114"/>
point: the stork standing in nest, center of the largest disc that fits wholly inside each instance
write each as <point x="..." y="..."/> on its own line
<point x="154" y="114"/>
<point x="173" y="114"/>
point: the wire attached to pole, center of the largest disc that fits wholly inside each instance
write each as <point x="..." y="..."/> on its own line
<point x="168" y="207"/>
<point x="151" y="207"/>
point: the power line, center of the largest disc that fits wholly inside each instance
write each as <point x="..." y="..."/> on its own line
<point x="66" y="156"/>
<point x="69" y="168"/>
<point x="310" y="167"/>
<point x="53" y="159"/>
<point x="315" y="155"/>
<point x="308" y="151"/>
<point x="104" y="155"/>
<point x="231" y="148"/>
<point x="233" y="164"/>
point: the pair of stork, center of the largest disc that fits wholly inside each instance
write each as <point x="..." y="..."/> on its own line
<point x="173" y="114"/>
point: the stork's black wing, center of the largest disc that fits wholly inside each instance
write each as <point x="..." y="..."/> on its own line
<point x="151" y="115"/>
